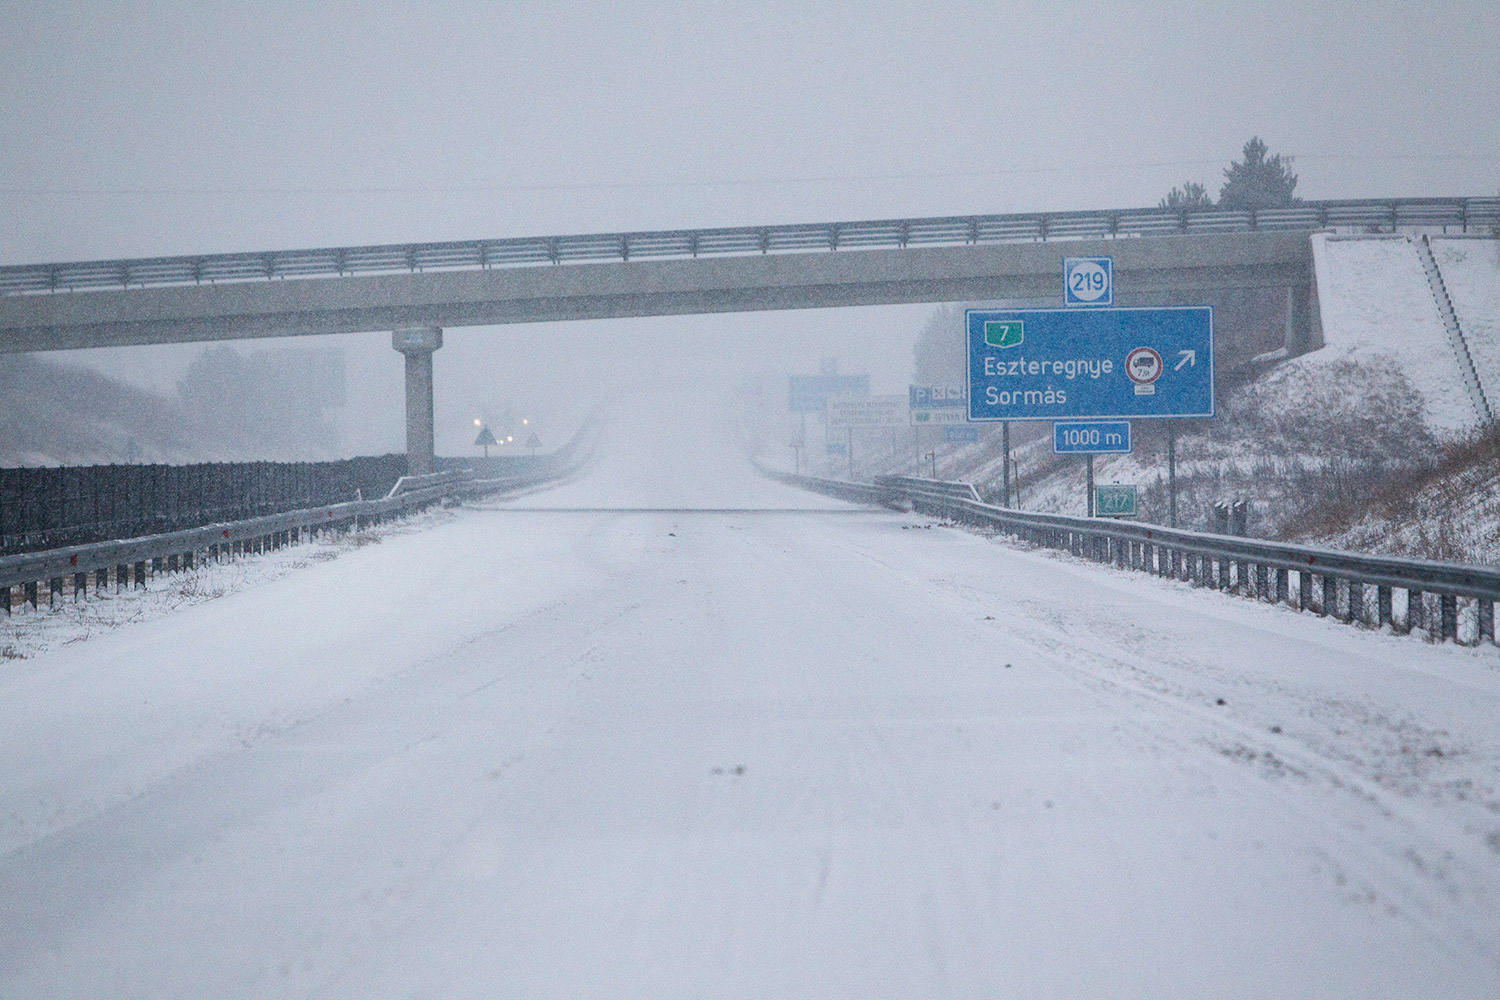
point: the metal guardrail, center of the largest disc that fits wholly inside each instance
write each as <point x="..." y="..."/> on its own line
<point x="1385" y="215"/>
<point x="1328" y="581"/>
<point x="179" y="550"/>
<point x="910" y="484"/>
<point x="408" y="484"/>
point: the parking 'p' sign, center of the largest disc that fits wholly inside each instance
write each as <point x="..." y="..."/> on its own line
<point x="1088" y="281"/>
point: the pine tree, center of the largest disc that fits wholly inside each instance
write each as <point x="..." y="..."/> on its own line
<point x="1258" y="181"/>
<point x="1190" y="195"/>
<point x="938" y="356"/>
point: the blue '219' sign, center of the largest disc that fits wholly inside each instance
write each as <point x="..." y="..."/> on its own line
<point x="1088" y="281"/>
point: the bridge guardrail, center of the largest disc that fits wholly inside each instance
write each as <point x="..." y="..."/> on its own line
<point x="1328" y="581"/>
<point x="1387" y="215"/>
<point x="177" y="550"/>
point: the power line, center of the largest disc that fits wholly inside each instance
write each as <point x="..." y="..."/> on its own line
<point x="499" y="188"/>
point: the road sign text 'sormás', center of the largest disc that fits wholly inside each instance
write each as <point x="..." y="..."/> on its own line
<point x="1053" y="364"/>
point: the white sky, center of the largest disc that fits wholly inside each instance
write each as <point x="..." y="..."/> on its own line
<point x="143" y="129"/>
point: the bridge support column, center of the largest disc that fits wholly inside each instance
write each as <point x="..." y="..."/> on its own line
<point x="417" y="344"/>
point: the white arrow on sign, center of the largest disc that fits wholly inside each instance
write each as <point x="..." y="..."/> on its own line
<point x="1187" y="358"/>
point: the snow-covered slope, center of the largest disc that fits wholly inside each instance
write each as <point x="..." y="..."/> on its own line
<point x="1377" y="307"/>
<point x="1471" y="272"/>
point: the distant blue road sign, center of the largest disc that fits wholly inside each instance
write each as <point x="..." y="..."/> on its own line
<point x="960" y="433"/>
<point x="837" y="448"/>
<point x="1088" y="281"/>
<point x="1092" y="437"/>
<point x="810" y="393"/>
<point x="1053" y="364"/>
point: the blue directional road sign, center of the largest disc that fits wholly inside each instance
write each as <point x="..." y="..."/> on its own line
<point x="1088" y="281"/>
<point x="1056" y="364"/>
<point x="810" y="393"/>
<point x="960" y="434"/>
<point x="1091" y="437"/>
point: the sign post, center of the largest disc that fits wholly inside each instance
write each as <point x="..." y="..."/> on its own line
<point x="1005" y="462"/>
<point x="1091" y="484"/>
<point x="1171" y="473"/>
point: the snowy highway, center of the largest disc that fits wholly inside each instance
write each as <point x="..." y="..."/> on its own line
<point x="750" y="743"/>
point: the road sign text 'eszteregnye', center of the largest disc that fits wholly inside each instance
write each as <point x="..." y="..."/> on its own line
<point x="1054" y="364"/>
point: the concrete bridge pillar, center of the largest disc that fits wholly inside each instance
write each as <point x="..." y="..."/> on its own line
<point x="417" y="344"/>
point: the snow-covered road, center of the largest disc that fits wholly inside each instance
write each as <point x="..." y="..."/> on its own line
<point x="794" y="750"/>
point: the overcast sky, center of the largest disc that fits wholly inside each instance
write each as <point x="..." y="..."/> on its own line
<point x="136" y="129"/>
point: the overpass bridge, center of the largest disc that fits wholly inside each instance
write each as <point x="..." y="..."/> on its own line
<point x="415" y="290"/>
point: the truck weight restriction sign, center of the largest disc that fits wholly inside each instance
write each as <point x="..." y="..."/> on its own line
<point x="1069" y="364"/>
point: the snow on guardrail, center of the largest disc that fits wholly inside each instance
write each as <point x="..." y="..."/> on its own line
<point x="1437" y="598"/>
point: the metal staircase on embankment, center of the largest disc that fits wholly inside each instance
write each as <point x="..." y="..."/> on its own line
<point x="1455" y="332"/>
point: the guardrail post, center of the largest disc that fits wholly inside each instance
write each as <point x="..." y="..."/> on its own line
<point x="1383" y="614"/>
<point x="1448" y="608"/>
<point x="54" y="591"/>
<point x="1486" y="611"/>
